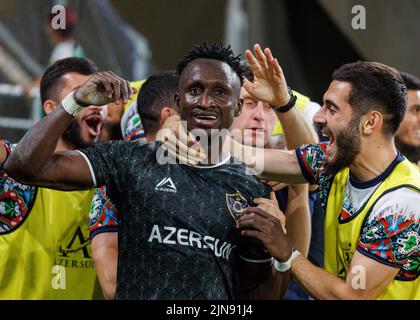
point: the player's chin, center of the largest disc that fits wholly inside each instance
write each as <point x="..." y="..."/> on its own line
<point x="89" y="139"/>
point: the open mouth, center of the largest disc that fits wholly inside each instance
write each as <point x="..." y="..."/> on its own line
<point x="328" y="134"/>
<point x="94" y="123"/>
<point x="206" y="119"/>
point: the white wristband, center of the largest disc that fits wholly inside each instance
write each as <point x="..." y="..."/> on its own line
<point x="284" y="266"/>
<point x="70" y="105"/>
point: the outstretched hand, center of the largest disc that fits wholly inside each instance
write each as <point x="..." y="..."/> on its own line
<point x="269" y="83"/>
<point x="103" y="88"/>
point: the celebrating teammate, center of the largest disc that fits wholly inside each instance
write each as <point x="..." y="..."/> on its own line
<point x="177" y="234"/>
<point x="369" y="191"/>
<point x="44" y="240"/>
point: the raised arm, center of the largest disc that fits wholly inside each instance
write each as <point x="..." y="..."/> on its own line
<point x="34" y="162"/>
<point x="270" y="86"/>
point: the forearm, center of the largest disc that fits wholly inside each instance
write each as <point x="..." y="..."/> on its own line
<point x="320" y="284"/>
<point x="298" y="218"/>
<point x="270" y="164"/>
<point x="297" y="129"/>
<point x="105" y="258"/>
<point x="34" y="150"/>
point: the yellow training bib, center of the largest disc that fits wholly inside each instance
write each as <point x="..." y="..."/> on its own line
<point x="48" y="256"/>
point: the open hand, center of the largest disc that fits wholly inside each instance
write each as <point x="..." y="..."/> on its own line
<point x="179" y="143"/>
<point x="269" y="83"/>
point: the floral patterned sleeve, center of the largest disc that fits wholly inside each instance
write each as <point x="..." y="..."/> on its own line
<point x="103" y="215"/>
<point x="391" y="234"/>
<point x="16" y="200"/>
<point x="312" y="162"/>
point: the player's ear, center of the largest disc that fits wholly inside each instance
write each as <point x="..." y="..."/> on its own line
<point x="166" y="113"/>
<point x="49" y="106"/>
<point x="238" y="108"/>
<point x="176" y="100"/>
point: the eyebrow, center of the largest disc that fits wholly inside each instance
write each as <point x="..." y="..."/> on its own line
<point x="332" y="103"/>
<point x="215" y="83"/>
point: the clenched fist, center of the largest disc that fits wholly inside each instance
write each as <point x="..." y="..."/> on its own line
<point x="103" y="88"/>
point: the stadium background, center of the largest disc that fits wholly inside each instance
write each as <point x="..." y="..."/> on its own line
<point x="133" y="38"/>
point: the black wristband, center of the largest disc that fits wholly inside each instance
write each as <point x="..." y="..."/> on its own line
<point x="289" y="105"/>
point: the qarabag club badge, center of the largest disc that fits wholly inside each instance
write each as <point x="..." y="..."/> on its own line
<point x="236" y="203"/>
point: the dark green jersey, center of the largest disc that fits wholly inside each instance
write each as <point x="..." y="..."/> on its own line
<point x="177" y="235"/>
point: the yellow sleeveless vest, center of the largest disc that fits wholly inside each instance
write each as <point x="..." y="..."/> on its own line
<point x="341" y="238"/>
<point x="49" y="256"/>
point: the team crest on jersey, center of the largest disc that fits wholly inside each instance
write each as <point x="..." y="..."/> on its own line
<point x="236" y="203"/>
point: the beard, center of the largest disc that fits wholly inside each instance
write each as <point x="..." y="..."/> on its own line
<point x="411" y="152"/>
<point x="347" y="145"/>
<point x="73" y="135"/>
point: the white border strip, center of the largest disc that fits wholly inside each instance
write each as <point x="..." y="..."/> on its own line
<point x="217" y="164"/>
<point x="256" y="261"/>
<point x="90" y="168"/>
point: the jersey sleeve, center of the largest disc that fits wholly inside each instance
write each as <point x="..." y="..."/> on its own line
<point x="103" y="214"/>
<point x="16" y="199"/>
<point x="312" y="162"/>
<point x="391" y="234"/>
<point x="108" y="163"/>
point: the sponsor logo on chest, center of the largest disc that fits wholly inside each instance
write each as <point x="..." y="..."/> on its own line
<point x="166" y="185"/>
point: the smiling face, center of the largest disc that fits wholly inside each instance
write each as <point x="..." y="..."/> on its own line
<point x="256" y="122"/>
<point x="208" y="95"/>
<point x="85" y="128"/>
<point x="340" y="125"/>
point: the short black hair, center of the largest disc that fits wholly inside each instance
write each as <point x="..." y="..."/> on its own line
<point x="375" y="86"/>
<point x="156" y="93"/>
<point x="215" y="51"/>
<point x="53" y="74"/>
<point x="411" y="81"/>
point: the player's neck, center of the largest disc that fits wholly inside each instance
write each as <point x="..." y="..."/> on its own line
<point x="373" y="160"/>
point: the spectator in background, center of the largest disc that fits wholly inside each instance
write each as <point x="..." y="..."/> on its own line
<point x="44" y="242"/>
<point x="407" y="138"/>
<point x="256" y="125"/>
<point x="65" y="45"/>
